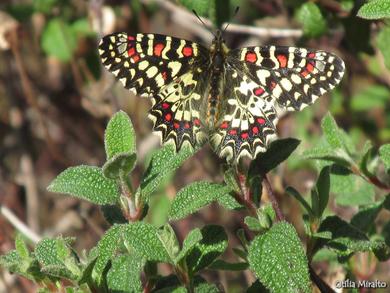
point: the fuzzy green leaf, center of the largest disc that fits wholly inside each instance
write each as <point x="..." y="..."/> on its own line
<point x="350" y="189"/>
<point x="383" y="41"/>
<point x="323" y="187"/>
<point x="384" y="154"/>
<point x="332" y="132"/>
<point x="278" y="260"/>
<point x="375" y="9"/>
<point x="168" y="238"/>
<point x="292" y="191"/>
<point x="212" y="245"/>
<point x="106" y="249"/>
<point x="55" y="257"/>
<point x="163" y="163"/>
<point x="188" y="244"/>
<point x="195" y="196"/>
<point x="221" y="265"/>
<point x="253" y="223"/>
<point x="21" y="246"/>
<point x="86" y="182"/>
<point x="119" y="164"/>
<point x="345" y="237"/>
<point x="119" y="136"/>
<point x="145" y="240"/>
<point x="124" y="274"/>
<point x="278" y="151"/>
<point x="58" y="40"/>
<point x="312" y="20"/>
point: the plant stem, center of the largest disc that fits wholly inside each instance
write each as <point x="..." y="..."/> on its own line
<point x="244" y="197"/>
<point x="274" y="202"/>
<point x="322" y="286"/>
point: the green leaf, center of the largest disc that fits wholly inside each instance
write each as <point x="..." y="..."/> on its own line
<point x="364" y="219"/>
<point x="253" y="223"/>
<point x="124" y="274"/>
<point x="21" y="246"/>
<point x="119" y="164"/>
<point x="278" y="151"/>
<point x="278" y="260"/>
<point x="163" y="163"/>
<point x="195" y="196"/>
<point x="323" y="188"/>
<point x="82" y="27"/>
<point x="383" y="40"/>
<point x="88" y="183"/>
<point x="332" y="132"/>
<point x="292" y="191"/>
<point x="168" y="239"/>
<point x="56" y="258"/>
<point x="350" y="189"/>
<point x="375" y="9"/>
<point x="384" y="154"/>
<point x="58" y="40"/>
<point x="221" y="265"/>
<point x="323" y="151"/>
<point x="374" y="96"/>
<point x="213" y="244"/>
<point x="188" y="244"/>
<point x="144" y="238"/>
<point x="206" y="288"/>
<point x="346" y="238"/>
<point x="229" y="176"/>
<point x="119" y="136"/>
<point x="312" y="20"/>
<point x="106" y="249"/>
<point x="44" y="6"/>
<point x="200" y="6"/>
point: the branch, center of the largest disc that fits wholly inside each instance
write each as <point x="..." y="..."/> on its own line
<point x="19" y="225"/>
<point x="271" y="195"/>
<point x="324" y="287"/>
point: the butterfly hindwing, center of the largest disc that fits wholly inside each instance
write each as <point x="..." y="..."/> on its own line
<point x="144" y="63"/>
<point x="247" y="123"/>
<point x="176" y="110"/>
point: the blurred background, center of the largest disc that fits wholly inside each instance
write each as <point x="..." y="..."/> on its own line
<point x="55" y="100"/>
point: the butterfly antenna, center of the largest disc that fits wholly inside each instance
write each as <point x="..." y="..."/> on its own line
<point x="234" y="15"/>
<point x="198" y="17"/>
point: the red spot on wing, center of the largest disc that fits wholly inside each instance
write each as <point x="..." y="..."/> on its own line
<point x="282" y="60"/>
<point x="165" y="105"/>
<point x="130" y="38"/>
<point x="176" y="125"/>
<point x="196" y="121"/>
<point x="304" y="73"/>
<point x="255" y="130"/>
<point x="164" y="75"/>
<point x="187" y="51"/>
<point x="251" y="57"/>
<point x="187" y="125"/>
<point x="309" y="66"/>
<point x="168" y="117"/>
<point x="224" y="125"/>
<point x="258" y="91"/>
<point x="131" y="51"/>
<point x="135" y="58"/>
<point x="272" y="85"/>
<point x="311" y="55"/>
<point x="232" y="132"/>
<point x="158" y="49"/>
<point x="261" y="121"/>
<point x="244" y="135"/>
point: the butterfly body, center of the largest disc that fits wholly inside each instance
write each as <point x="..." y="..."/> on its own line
<point x="231" y="98"/>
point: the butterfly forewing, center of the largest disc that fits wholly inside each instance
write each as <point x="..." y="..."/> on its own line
<point x="144" y="63"/>
<point x="292" y="77"/>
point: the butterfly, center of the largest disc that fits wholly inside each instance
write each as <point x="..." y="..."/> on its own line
<point x="229" y="98"/>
